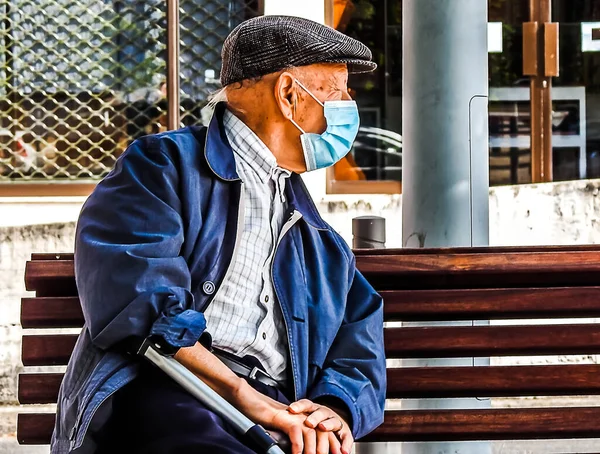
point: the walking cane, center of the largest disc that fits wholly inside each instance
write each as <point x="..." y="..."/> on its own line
<point x="254" y="434"/>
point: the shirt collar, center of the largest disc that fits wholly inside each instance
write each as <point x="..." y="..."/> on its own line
<point x="246" y="145"/>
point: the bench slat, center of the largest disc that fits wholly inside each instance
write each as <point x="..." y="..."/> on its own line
<point x="427" y="425"/>
<point x="51" y="277"/>
<point x="428" y="271"/>
<point x="494" y="304"/>
<point x="35" y="428"/>
<point x="467" y="341"/>
<point x="50" y="256"/>
<point x="51" y="312"/>
<point x="405" y="342"/>
<point x="492" y="424"/>
<point x="412" y="271"/>
<point x="506" y="263"/>
<point x="39" y="388"/>
<point x="494" y="381"/>
<point x="427" y="382"/>
<point x="48" y="269"/>
<point x="483" y="250"/>
<point x="405" y="305"/>
<point x="47" y="350"/>
<point x="412" y="251"/>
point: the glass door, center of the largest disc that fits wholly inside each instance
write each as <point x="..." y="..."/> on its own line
<point x="510" y="105"/>
<point x="538" y="132"/>
<point x="576" y="125"/>
<point x="528" y="117"/>
<point x="545" y="125"/>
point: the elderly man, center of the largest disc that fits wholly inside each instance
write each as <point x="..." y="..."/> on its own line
<point x="206" y="241"/>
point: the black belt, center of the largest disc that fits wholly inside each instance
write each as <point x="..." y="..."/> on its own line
<point x="245" y="371"/>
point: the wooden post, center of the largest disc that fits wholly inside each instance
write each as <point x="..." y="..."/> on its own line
<point x="540" y="62"/>
<point x="173" y="121"/>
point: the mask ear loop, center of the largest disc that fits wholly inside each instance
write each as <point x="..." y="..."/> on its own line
<point x="297" y="126"/>
<point x="295" y="103"/>
<point x="308" y="91"/>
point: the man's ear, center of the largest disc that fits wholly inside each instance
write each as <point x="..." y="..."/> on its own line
<point x="286" y="94"/>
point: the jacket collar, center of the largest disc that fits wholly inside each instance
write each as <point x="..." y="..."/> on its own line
<point x="220" y="159"/>
<point x="217" y="149"/>
<point x="300" y="199"/>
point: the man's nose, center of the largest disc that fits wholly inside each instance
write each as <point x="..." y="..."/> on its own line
<point x="346" y="96"/>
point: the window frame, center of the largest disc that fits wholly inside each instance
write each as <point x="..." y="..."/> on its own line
<point x="334" y="186"/>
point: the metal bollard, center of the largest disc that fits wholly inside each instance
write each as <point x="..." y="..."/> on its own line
<point x="368" y="232"/>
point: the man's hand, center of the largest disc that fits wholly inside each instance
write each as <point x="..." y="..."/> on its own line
<point x="273" y="415"/>
<point x="325" y="421"/>
<point x="306" y="439"/>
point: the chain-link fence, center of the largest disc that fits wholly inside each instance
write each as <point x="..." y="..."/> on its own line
<point x="80" y="79"/>
<point x="204" y="27"/>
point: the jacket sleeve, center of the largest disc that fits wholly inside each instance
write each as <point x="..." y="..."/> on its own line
<point x="355" y="370"/>
<point x="131" y="278"/>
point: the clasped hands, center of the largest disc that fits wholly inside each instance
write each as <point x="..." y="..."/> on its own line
<point x="313" y="428"/>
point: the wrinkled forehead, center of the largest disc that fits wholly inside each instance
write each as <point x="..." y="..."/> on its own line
<point x="324" y="74"/>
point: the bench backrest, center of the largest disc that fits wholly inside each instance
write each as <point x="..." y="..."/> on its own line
<point x="417" y="285"/>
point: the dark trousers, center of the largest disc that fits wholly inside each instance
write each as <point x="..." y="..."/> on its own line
<point x="154" y="415"/>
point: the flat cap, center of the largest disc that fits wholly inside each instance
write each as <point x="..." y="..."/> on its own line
<point x="267" y="44"/>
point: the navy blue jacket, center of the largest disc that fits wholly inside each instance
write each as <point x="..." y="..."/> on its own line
<point x="154" y="241"/>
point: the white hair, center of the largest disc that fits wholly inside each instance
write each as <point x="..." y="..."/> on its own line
<point x="213" y="99"/>
<point x="221" y="95"/>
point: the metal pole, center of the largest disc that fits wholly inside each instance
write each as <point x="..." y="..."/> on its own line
<point x="173" y="121"/>
<point x="445" y="152"/>
<point x="445" y="124"/>
<point x="205" y="394"/>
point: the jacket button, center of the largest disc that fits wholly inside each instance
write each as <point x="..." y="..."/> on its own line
<point x="208" y="287"/>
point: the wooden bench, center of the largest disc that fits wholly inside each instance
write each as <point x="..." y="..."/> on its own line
<point x="417" y="285"/>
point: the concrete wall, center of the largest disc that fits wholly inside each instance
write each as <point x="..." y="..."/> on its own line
<point x="551" y="213"/>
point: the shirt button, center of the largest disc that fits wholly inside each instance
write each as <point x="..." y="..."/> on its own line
<point x="266" y="298"/>
<point x="208" y="287"/>
<point x="264" y="336"/>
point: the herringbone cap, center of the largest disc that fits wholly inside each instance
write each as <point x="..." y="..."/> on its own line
<point x="267" y="44"/>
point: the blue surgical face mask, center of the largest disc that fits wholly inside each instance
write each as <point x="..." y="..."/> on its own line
<point x="324" y="150"/>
